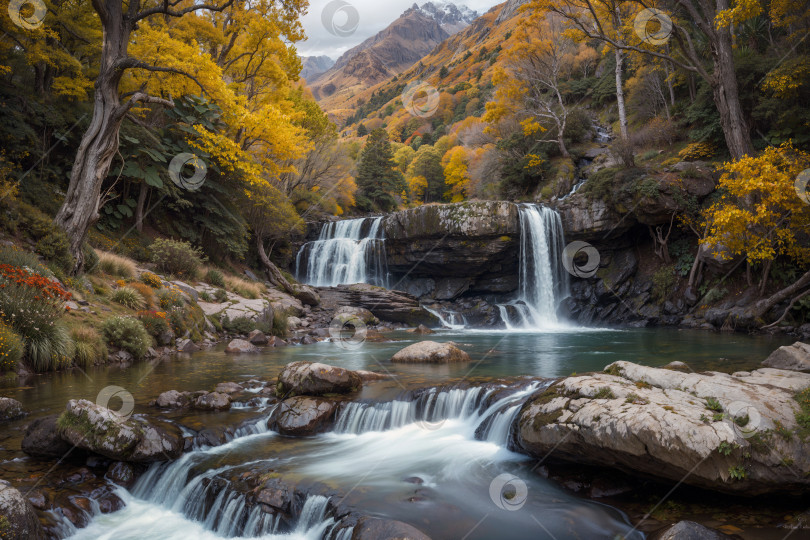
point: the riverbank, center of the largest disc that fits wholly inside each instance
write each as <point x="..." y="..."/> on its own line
<point x="204" y="370"/>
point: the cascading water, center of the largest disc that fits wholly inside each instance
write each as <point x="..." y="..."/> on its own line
<point x="543" y="281"/>
<point x="346" y="252"/>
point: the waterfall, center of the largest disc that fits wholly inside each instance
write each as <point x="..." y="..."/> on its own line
<point x="543" y="282"/>
<point x="346" y="252"/>
<point x="449" y="319"/>
<point x="489" y="421"/>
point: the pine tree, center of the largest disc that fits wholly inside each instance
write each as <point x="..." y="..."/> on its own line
<point x="378" y="178"/>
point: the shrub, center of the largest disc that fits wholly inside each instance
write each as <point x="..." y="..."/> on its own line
<point x="280" y="325"/>
<point x="90" y="257"/>
<point x="176" y="257"/>
<point x="129" y="297"/>
<point x="11" y="348"/>
<point x="663" y="283"/>
<point x="127" y="334"/>
<point x="698" y="151"/>
<point x="90" y="347"/>
<point x="29" y="302"/>
<point x="153" y="280"/>
<point x="244" y="288"/>
<point x="220" y="296"/>
<point x="239" y="325"/>
<point x="154" y="321"/>
<point x="215" y="278"/>
<point x="604" y="393"/>
<point x="14" y="256"/>
<point x="55" y="247"/>
<point x="116" y="265"/>
<point x="169" y="298"/>
<point x="50" y="349"/>
<point x="147" y="292"/>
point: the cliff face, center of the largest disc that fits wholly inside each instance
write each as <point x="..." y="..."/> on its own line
<point x="448" y="250"/>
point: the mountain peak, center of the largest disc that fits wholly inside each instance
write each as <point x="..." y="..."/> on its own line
<point x="451" y="17"/>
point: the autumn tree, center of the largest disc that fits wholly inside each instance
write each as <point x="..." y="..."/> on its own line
<point x="761" y="216"/>
<point x="151" y="77"/>
<point x="456" y="174"/>
<point x="427" y="163"/>
<point x="693" y="21"/>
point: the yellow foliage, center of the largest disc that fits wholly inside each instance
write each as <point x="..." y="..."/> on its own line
<point x="698" y="151"/>
<point x="456" y="174"/>
<point x="760" y="214"/>
<point x="742" y="10"/>
<point x="417" y="186"/>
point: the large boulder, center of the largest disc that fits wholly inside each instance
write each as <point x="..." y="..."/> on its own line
<point x="307" y="295"/>
<point x="794" y="357"/>
<point x="368" y="528"/>
<point x="213" y="401"/>
<point x="350" y="314"/>
<point x="240" y="346"/>
<point x="10" y="409"/>
<point x="42" y="439"/>
<point x="316" y="379"/>
<point x="430" y="352"/>
<point x="173" y="399"/>
<point x="688" y="530"/>
<point x="303" y="415"/>
<point x="20" y="520"/>
<point x="102" y="431"/>
<point x="731" y="433"/>
<point x="386" y="305"/>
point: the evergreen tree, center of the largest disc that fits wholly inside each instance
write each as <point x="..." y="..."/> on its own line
<point x="378" y="178"/>
<point x="362" y="131"/>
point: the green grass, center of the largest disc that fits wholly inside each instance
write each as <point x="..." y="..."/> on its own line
<point x="604" y="393"/>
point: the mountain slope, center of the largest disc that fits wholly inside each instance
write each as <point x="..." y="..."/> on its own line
<point x="413" y="35"/>
<point x="314" y="66"/>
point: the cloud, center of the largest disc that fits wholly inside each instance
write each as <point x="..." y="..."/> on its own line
<point x="371" y="17"/>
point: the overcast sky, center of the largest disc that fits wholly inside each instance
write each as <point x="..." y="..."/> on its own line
<point x="352" y="21"/>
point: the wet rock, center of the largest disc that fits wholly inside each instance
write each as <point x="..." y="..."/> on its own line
<point x="276" y="342"/>
<point x="20" y="517"/>
<point x="385" y="529"/>
<point x="42" y="440"/>
<point x="215" y="401"/>
<point x="421" y="330"/>
<point x="257" y="337"/>
<point x="102" y="431"/>
<point x="390" y="306"/>
<point x="718" y="428"/>
<point x="214" y="437"/>
<point x="303" y="415"/>
<point x="307" y="295"/>
<point x="240" y="346"/>
<point x="10" y="409"/>
<point x="173" y="400"/>
<point x="794" y="357"/>
<point x="38" y="500"/>
<point x="369" y="376"/>
<point x="308" y="340"/>
<point x="678" y="366"/>
<point x="688" y="530"/>
<point x="349" y="315"/>
<point x="430" y="352"/>
<point x="276" y="495"/>
<point x="122" y="474"/>
<point x="316" y="379"/>
<point x="187" y="346"/>
<point x="228" y="388"/>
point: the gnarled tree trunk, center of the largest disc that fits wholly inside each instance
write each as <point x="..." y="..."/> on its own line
<point x="274" y="275"/>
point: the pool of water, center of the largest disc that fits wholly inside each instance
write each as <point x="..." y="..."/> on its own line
<point x="436" y="477"/>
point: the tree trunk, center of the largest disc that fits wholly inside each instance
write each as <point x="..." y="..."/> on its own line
<point x="274" y="275"/>
<point x="139" y="208"/>
<point x="99" y="143"/>
<point x="727" y="98"/>
<point x="620" y="93"/>
<point x="763" y="306"/>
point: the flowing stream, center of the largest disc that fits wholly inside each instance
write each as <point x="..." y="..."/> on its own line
<point x="346" y="252"/>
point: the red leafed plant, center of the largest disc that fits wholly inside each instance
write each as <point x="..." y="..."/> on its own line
<point x="30" y="302"/>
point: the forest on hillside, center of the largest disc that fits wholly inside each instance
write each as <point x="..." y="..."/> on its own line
<point x="112" y="111"/>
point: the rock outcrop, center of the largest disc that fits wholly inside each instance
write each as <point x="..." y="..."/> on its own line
<point x="19" y="519"/>
<point x="731" y="433"/>
<point x="240" y="346"/>
<point x="448" y="250"/>
<point x="316" y="379"/>
<point x="430" y="352"/>
<point x="303" y="415"/>
<point x="99" y="430"/>
<point x="10" y="409"/>
<point x="794" y="357"/>
<point x="389" y="306"/>
<point x="42" y="439"/>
